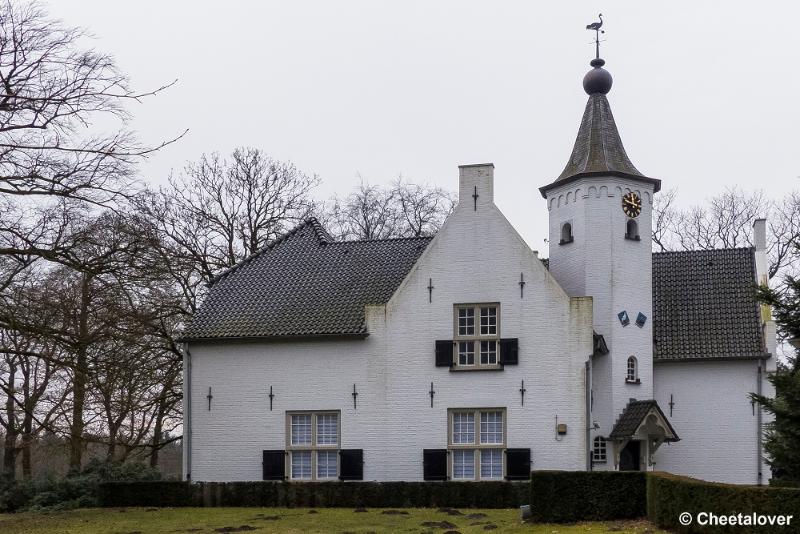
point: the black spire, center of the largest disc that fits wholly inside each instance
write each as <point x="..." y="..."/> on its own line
<point x="598" y="149"/>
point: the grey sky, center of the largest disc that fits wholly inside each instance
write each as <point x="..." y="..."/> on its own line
<point x="705" y="93"/>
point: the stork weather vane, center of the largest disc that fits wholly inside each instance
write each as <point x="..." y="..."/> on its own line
<point x="595" y="26"/>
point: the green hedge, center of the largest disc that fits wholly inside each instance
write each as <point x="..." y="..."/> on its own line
<point x="668" y="496"/>
<point x="569" y="496"/>
<point x="147" y="493"/>
<point x="317" y="494"/>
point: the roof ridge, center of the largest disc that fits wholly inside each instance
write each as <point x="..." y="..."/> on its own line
<point x="381" y="239"/>
<point x="319" y="231"/>
<point x="701" y="250"/>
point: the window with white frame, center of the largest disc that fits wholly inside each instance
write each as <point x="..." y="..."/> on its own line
<point x="599" y="450"/>
<point x="476" y="440"/>
<point x="477" y="335"/>
<point x="632" y="374"/>
<point x="313" y="445"/>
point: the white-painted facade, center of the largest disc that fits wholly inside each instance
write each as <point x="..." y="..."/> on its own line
<point x="617" y="272"/>
<point x="477" y="257"/>
<point x="712" y="413"/>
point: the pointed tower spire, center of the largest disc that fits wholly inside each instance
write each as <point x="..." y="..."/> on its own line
<point x="598" y="149"/>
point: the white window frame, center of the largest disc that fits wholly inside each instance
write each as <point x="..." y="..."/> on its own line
<point x="599" y="450"/>
<point x="478" y="445"/>
<point x="313" y="447"/>
<point x="480" y="340"/>
<point x="632" y="371"/>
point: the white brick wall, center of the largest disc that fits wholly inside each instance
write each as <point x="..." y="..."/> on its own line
<point x="714" y="419"/>
<point x="617" y="273"/>
<point x="476" y="257"/>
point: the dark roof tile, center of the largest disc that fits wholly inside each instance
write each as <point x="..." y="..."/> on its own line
<point x="305" y="284"/>
<point x="704" y="305"/>
<point x="633" y="415"/>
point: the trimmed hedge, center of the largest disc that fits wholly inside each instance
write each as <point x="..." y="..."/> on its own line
<point x="317" y="494"/>
<point x="570" y="496"/>
<point x="670" y="495"/>
<point x="147" y="493"/>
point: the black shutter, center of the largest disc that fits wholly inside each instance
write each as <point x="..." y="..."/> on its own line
<point x="351" y="466"/>
<point x="518" y="464"/>
<point x="274" y="465"/>
<point x="444" y="353"/>
<point x="509" y="351"/>
<point x="434" y="464"/>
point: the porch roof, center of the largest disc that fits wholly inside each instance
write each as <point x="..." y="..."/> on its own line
<point x="634" y="415"/>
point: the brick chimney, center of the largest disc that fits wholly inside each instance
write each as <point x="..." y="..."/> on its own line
<point x="475" y="180"/>
<point x="760" y="242"/>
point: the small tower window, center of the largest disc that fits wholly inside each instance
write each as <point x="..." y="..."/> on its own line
<point x="566" y="234"/>
<point x="632" y="230"/>
<point x="632" y="376"/>
<point x="599" y="451"/>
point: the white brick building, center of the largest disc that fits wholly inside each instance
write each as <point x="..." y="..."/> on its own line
<point x="467" y="357"/>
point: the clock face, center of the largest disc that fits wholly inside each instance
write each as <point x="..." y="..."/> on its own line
<point x="631" y="204"/>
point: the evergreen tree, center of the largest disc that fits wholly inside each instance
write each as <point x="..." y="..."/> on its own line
<point x="782" y="437"/>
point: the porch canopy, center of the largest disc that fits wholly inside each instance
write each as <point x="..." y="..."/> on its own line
<point x="642" y="420"/>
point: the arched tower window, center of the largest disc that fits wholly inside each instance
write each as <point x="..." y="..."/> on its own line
<point x="632" y="230"/>
<point x="632" y="376"/>
<point x="566" y="234"/>
<point x="599" y="455"/>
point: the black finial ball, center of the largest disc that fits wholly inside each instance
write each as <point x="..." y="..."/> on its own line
<point x="598" y="80"/>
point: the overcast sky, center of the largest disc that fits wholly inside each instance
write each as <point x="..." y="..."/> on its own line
<point x="706" y="94"/>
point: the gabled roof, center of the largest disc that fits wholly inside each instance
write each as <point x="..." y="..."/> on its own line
<point x="704" y="305"/>
<point x="633" y="416"/>
<point x="305" y="285"/>
<point x="598" y="149"/>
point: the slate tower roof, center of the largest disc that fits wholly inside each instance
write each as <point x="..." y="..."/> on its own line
<point x="598" y="149"/>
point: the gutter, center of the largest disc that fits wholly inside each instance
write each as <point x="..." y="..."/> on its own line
<point x="276" y="339"/>
<point x="759" y="423"/>
<point x="589" y="425"/>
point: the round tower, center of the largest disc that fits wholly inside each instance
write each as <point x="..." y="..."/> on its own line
<point x="600" y="210"/>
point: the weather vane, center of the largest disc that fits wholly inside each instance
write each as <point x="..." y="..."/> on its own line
<point x="596" y="27"/>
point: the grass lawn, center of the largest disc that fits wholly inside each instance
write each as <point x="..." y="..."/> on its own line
<point x="337" y="520"/>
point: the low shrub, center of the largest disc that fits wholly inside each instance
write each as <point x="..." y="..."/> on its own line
<point x="570" y="496"/>
<point x="76" y="490"/>
<point x="784" y="483"/>
<point x="317" y="494"/>
<point x="668" y="496"/>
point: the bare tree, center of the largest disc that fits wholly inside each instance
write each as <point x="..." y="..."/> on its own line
<point x="27" y="367"/>
<point x="726" y="221"/>
<point x="423" y="208"/>
<point x="402" y="210"/>
<point x="51" y="90"/>
<point x="665" y="217"/>
<point x="369" y="212"/>
<point x="219" y="211"/>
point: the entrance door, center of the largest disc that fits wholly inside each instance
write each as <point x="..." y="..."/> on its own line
<point x="629" y="457"/>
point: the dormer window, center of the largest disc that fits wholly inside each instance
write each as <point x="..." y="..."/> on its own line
<point x="477" y="336"/>
<point x="632" y="230"/>
<point x="566" y="234"/>
<point x="632" y="376"/>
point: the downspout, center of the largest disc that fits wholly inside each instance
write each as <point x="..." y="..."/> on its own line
<point x="589" y="414"/>
<point x="759" y="423"/>
<point x="187" y="413"/>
